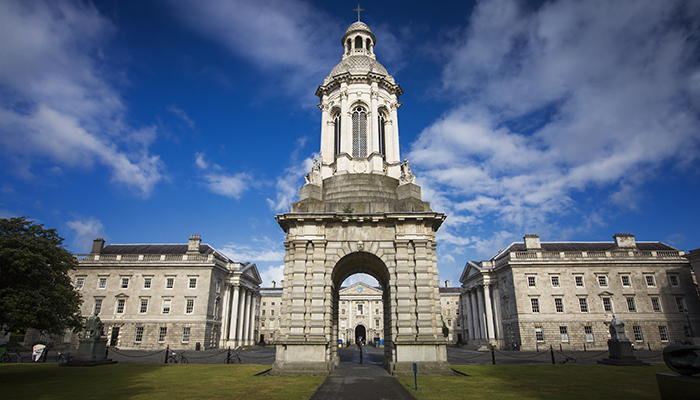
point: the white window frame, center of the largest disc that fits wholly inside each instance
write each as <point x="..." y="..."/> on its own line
<point x="579" y="279"/>
<point x="663" y="333"/>
<point x="192" y="283"/>
<point x="588" y="331"/>
<point x="147" y="282"/>
<point x="680" y="304"/>
<point x="656" y="304"/>
<point x="556" y="282"/>
<point x="531" y="281"/>
<point x="559" y="305"/>
<point x="583" y="304"/>
<point x="631" y="304"/>
<point x="535" y="305"/>
<point x="162" y="334"/>
<point x="102" y="282"/>
<point x="121" y="306"/>
<point x="97" y="306"/>
<point x="638" y="333"/>
<point x="650" y="280"/>
<point x="672" y="278"/>
<point x="79" y="283"/>
<point x="627" y="278"/>
<point x="124" y="282"/>
<point x="169" y="282"/>
<point x="602" y="280"/>
<point x="189" y="306"/>
<point x="143" y="307"/>
<point x="138" y="337"/>
<point x="539" y="334"/>
<point x="186" y="334"/>
<point x="609" y="306"/>
<point x="564" y="333"/>
<point x="167" y="306"/>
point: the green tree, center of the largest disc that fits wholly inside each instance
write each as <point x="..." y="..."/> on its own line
<point x="35" y="289"/>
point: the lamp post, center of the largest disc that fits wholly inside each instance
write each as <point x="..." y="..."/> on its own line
<point x="687" y="317"/>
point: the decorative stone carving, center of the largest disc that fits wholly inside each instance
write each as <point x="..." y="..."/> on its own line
<point x="360" y="166"/>
<point x="617" y="329"/>
<point x="314" y="176"/>
<point x="93" y="327"/>
<point x="406" y="174"/>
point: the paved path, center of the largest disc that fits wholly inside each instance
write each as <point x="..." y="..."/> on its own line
<point x="354" y="381"/>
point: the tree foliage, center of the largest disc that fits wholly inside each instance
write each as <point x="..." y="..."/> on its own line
<point x="35" y="289"/>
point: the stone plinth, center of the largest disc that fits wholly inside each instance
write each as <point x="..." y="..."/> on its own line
<point x="431" y="359"/>
<point x="91" y="352"/>
<point x="311" y="192"/>
<point x="678" y="387"/>
<point x="301" y="359"/>
<point x="621" y="354"/>
<point x="408" y="191"/>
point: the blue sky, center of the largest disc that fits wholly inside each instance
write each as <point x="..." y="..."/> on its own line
<point x="145" y="122"/>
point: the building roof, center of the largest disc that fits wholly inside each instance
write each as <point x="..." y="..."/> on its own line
<point x="456" y="290"/>
<point x="582" y="246"/>
<point x="162" y="249"/>
<point x="359" y="65"/>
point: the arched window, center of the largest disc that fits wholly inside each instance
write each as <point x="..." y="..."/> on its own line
<point x="349" y="45"/>
<point x="367" y="44"/>
<point x="336" y="132"/>
<point x="382" y="134"/>
<point x="359" y="132"/>
<point x="358" y="42"/>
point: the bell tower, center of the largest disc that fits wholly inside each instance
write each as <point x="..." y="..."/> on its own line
<point x="360" y="211"/>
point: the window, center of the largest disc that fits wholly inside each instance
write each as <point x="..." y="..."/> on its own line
<point x="631" y="307"/>
<point x="102" y="283"/>
<point x="376" y="311"/>
<point x="336" y="129"/>
<point x="169" y="283"/>
<point x="193" y="283"/>
<point x="673" y="280"/>
<point x="147" y="283"/>
<point x="264" y="303"/>
<point x="607" y="304"/>
<point x="382" y="134"/>
<point x="531" y="281"/>
<point x="358" y="42"/>
<point x="588" y="330"/>
<point x="655" y="304"/>
<point x="79" y="283"/>
<point x="98" y="306"/>
<point x="120" y="306"/>
<point x="189" y="307"/>
<point x="447" y="303"/>
<point x="359" y="132"/>
<point x="342" y="311"/>
<point x="626" y="281"/>
<point x="263" y="312"/>
<point x="376" y="323"/>
<point x="539" y="335"/>
<point x="166" y="306"/>
<point x="650" y="280"/>
<point x="262" y="324"/>
<point x="663" y="333"/>
<point x="559" y="304"/>
<point x="449" y="312"/>
<point x="342" y="324"/>
<point x="359" y="309"/>
<point x="273" y="303"/>
<point x="139" y="334"/>
<point x="638" y="337"/>
<point x="186" y="334"/>
<point x="272" y="313"/>
<point x="579" y="280"/>
<point x="144" y="306"/>
<point x="688" y="332"/>
<point x="602" y="280"/>
<point x="555" y="281"/>
<point x="535" y="303"/>
<point x="162" y="333"/>
<point x="218" y="286"/>
<point x="272" y="324"/>
<point x="125" y="283"/>
<point x="680" y="303"/>
<point x="564" y="334"/>
<point x="583" y="304"/>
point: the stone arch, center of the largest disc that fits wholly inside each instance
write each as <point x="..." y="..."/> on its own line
<point x="354" y="262"/>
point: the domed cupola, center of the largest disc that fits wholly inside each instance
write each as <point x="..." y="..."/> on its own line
<point x="359" y="100"/>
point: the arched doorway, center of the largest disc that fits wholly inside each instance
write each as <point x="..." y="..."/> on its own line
<point x="360" y="334"/>
<point x="370" y="264"/>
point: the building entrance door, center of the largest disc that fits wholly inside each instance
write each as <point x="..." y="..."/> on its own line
<point x="360" y="334"/>
<point x="115" y="336"/>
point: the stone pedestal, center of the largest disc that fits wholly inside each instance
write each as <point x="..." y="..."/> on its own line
<point x="301" y="359"/>
<point x="91" y="352"/>
<point x="310" y="192"/>
<point x="431" y="359"/>
<point x="621" y="354"/>
<point x="678" y="387"/>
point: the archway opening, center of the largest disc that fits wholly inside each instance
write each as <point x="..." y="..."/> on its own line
<point x="361" y="305"/>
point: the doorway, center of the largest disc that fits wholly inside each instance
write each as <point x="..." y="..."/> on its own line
<point x="114" y="340"/>
<point x="360" y="334"/>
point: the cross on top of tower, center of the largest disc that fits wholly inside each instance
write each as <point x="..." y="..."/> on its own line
<point x="358" y="10"/>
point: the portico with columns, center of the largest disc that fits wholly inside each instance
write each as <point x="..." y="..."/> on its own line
<point x="480" y="299"/>
<point x="241" y="300"/>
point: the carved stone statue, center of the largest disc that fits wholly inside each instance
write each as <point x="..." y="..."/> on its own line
<point x="617" y="329"/>
<point x="93" y="327"/>
<point x="314" y="176"/>
<point x="406" y="174"/>
<point x="683" y="359"/>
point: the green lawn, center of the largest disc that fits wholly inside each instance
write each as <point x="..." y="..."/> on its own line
<point x="149" y="381"/>
<point x="568" y="381"/>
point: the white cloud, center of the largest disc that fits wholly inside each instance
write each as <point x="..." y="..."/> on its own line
<point x="86" y="230"/>
<point x="229" y="185"/>
<point x="272" y="273"/>
<point x="182" y="115"/>
<point x="287" y="35"/>
<point x="558" y="100"/>
<point x="56" y="102"/>
<point x="288" y="184"/>
<point x="265" y="250"/>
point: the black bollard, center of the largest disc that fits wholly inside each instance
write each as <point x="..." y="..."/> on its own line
<point x="360" y="354"/>
<point x="167" y="352"/>
<point x="584" y="347"/>
<point x="648" y="346"/>
<point x="551" y="351"/>
<point x="228" y="358"/>
<point x="493" y="355"/>
<point x="560" y="347"/>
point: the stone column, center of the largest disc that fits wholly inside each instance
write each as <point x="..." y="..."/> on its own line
<point x="327" y="134"/>
<point x="345" y="122"/>
<point x="470" y="315"/>
<point x="246" y="319"/>
<point x="475" y="314"/>
<point x="251" y="319"/>
<point x="373" y="122"/>
<point x="297" y="289"/>
<point x="482" y="314"/>
<point x="394" y="150"/>
<point x="498" y="316"/>
<point x="225" y="313"/>
<point x="241" y="316"/>
<point x="489" y="312"/>
<point x="425" y="306"/>
<point x="233" y="321"/>
<point x="405" y="329"/>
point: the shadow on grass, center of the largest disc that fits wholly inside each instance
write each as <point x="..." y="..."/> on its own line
<point x="149" y="381"/>
<point x="570" y="381"/>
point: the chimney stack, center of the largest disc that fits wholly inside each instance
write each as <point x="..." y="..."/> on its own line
<point x="273" y="284"/>
<point x="532" y="242"/>
<point x="447" y="283"/>
<point x="625" y="240"/>
<point x="97" y="246"/>
<point x="193" y="245"/>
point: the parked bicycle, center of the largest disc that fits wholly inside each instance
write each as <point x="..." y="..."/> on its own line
<point x="175" y="358"/>
<point x="62" y="358"/>
<point x="8" y="357"/>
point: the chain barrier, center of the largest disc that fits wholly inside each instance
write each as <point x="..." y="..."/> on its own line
<point x="133" y="356"/>
<point x="189" y="356"/>
<point x="652" y="356"/>
<point x="543" y="353"/>
<point x="582" y="358"/>
<point x="249" y="356"/>
<point x="468" y="358"/>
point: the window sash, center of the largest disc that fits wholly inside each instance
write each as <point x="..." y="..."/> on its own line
<point x="638" y="335"/>
<point x="139" y="334"/>
<point x="535" y="304"/>
<point x="583" y="304"/>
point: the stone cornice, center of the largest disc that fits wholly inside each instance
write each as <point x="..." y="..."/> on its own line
<point x="393" y="218"/>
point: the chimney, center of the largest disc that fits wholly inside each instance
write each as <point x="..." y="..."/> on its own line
<point x="193" y="245"/>
<point x="97" y="246"/>
<point x="282" y="283"/>
<point x="532" y="242"/>
<point x="624" y="240"/>
<point x="273" y="284"/>
<point x="447" y="283"/>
